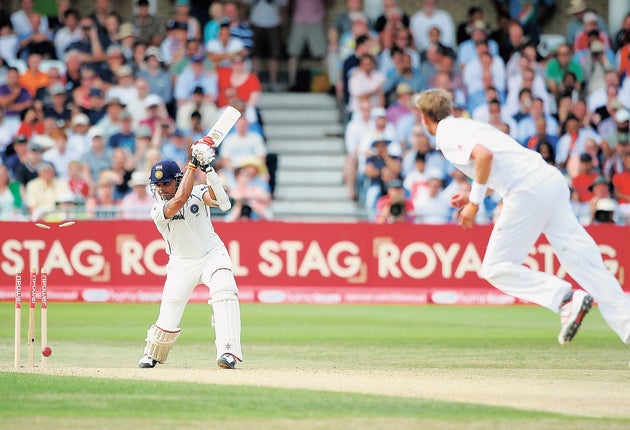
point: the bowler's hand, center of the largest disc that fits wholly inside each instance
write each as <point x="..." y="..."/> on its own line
<point x="467" y="215"/>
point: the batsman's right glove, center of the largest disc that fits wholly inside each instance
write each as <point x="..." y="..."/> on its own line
<point x="203" y="154"/>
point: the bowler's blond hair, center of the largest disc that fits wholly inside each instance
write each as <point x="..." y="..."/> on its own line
<point x="435" y="104"/>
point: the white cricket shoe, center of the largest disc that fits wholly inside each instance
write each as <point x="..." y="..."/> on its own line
<point x="227" y="361"/>
<point x="146" y="362"/>
<point x="571" y="315"/>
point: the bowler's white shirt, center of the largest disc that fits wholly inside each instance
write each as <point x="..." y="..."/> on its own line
<point x="189" y="234"/>
<point x="514" y="168"/>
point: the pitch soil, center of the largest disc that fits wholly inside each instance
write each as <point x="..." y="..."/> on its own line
<point x="571" y="392"/>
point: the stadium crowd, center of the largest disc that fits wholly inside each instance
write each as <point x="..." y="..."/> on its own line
<point x="89" y="101"/>
<point x="563" y="95"/>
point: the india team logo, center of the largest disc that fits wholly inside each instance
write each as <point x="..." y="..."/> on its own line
<point x="194" y="208"/>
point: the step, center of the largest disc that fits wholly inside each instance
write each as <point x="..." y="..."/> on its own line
<point x="286" y="177"/>
<point x="300" y="116"/>
<point x="270" y="101"/>
<point x="325" y="162"/>
<point x="314" y="208"/>
<point x="303" y="131"/>
<point x="330" y="145"/>
<point x="319" y="192"/>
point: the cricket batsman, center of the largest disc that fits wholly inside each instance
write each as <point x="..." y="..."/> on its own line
<point x="196" y="256"/>
<point x="535" y="201"/>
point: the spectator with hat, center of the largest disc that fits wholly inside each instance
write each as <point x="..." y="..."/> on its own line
<point x="432" y="204"/>
<point x="95" y="109"/>
<point x="78" y="139"/>
<point x="138" y="202"/>
<point x="374" y="164"/>
<point x="124" y="90"/>
<point x="124" y="137"/>
<point x="468" y="51"/>
<point x="149" y="27"/>
<point x="590" y="32"/>
<point x="577" y="9"/>
<point x="194" y="75"/>
<point x="157" y="77"/>
<point x="402" y="105"/>
<point x="182" y="16"/>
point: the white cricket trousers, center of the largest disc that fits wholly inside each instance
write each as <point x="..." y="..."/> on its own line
<point x="546" y="209"/>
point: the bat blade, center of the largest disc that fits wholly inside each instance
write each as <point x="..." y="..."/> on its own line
<point x="224" y="124"/>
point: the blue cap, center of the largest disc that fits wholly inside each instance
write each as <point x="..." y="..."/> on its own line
<point x="165" y="171"/>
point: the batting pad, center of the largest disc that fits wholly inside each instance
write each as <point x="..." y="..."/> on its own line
<point x="159" y="343"/>
<point x="227" y="314"/>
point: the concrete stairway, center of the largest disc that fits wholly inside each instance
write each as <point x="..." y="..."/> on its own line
<point x="304" y="130"/>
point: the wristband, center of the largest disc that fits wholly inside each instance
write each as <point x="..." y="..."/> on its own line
<point x="474" y="206"/>
<point x="477" y="193"/>
<point x="191" y="165"/>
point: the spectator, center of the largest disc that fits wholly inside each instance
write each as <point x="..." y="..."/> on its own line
<point x="497" y="117"/>
<point x="138" y="203"/>
<point x="241" y="146"/>
<point x="572" y="141"/>
<point x="616" y="145"/>
<point x="211" y="29"/>
<point x="594" y="66"/>
<point x="125" y="137"/>
<point x="374" y="164"/>
<point x="225" y="48"/>
<point x="78" y="139"/>
<point x="558" y="66"/>
<point x="126" y="39"/>
<point x="402" y="41"/>
<point x="621" y="186"/>
<point x="32" y="124"/>
<point x="483" y="71"/>
<point x="182" y="15"/>
<point x="173" y="46"/>
<point x="583" y="179"/>
<point x="347" y="40"/>
<point x="7" y="134"/>
<point x="403" y="104"/>
<point x="22" y="22"/>
<point x="425" y="19"/>
<point x="252" y="198"/>
<point x="194" y="76"/>
<point x="110" y="32"/>
<point x="78" y="185"/>
<point x="415" y="178"/>
<point x="102" y="204"/>
<point x="531" y="15"/>
<point x="366" y="82"/>
<point x="208" y="111"/>
<point x="149" y="27"/>
<point x="159" y="79"/>
<point x="14" y="98"/>
<point x="356" y="133"/>
<point x="96" y="106"/>
<point x="469" y="49"/>
<point x="603" y="208"/>
<point x="155" y="113"/>
<point x="69" y="33"/>
<point x="590" y="31"/>
<point x="176" y="148"/>
<point x="392" y="16"/>
<point x="307" y="30"/>
<point x="9" y="44"/>
<point x="121" y="169"/>
<point x="526" y="126"/>
<point x="394" y="206"/>
<point x="577" y="9"/>
<point x="238" y="27"/>
<point x="60" y="155"/>
<point x="432" y="206"/>
<point x="109" y="124"/>
<point x="403" y="72"/>
<point x="42" y="192"/>
<point x="33" y="79"/>
<point x="8" y="200"/>
<point x="97" y="159"/>
<point x="540" y="135"/>
<point x="265" y="18"/>
<point x="463" y="33"/>
<point x="89" y="45"/>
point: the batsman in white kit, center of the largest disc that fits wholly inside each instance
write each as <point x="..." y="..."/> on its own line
<point x="196" y="256"/>
<point x="535" y="201"/>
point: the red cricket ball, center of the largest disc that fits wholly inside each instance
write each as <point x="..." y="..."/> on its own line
<point x="46" y="351"/>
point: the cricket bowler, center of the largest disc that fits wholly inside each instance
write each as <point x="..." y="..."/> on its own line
<point x="535" y="200"/>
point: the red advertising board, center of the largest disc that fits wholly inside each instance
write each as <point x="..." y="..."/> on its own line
<point x="280" y="262"/>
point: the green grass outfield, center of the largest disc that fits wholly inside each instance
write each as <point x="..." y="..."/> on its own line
<point x="512" y="343"/>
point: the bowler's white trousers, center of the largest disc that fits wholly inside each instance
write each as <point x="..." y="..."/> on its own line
<point x="546" y="209"/>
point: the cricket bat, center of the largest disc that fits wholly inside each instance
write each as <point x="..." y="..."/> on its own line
<point x="223" y="125"/>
